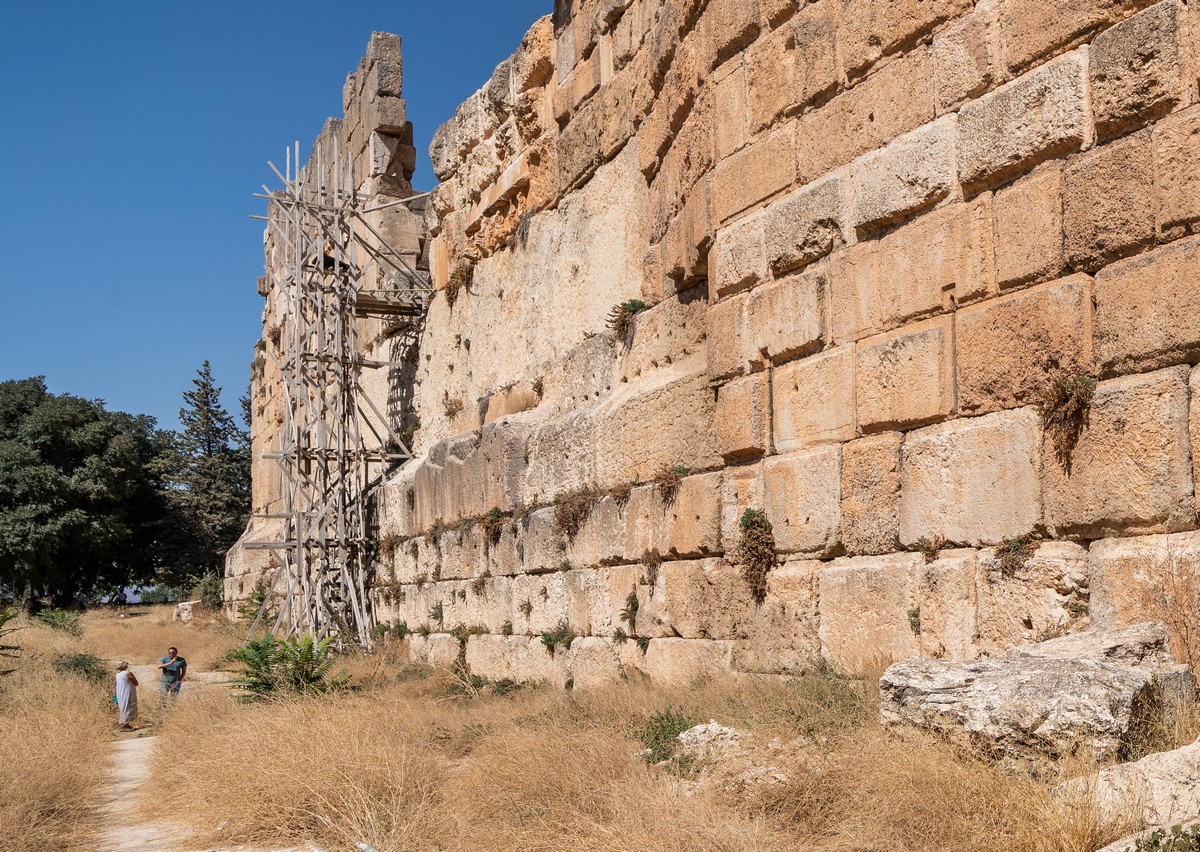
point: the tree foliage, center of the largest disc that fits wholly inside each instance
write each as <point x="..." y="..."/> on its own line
<point x="81" y="506"/>
<point x="208" y="474"/>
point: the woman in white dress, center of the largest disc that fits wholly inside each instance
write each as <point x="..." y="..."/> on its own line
<point x="126" y="696"/>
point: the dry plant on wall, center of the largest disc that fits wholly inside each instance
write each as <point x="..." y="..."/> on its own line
<point x="620" y="319"/>
<point x="1065" y="404"/>
<point x="1172" y="596"/>
<point x="668" y="481"/>
<point x="572" y="510"/>
<point x="756" y="551"/>
<point x="451" y="407"/>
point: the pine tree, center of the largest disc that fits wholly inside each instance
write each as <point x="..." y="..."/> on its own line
<point x="210" y="481"/>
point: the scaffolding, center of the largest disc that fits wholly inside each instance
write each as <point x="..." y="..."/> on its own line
<point x="336" y="447"/>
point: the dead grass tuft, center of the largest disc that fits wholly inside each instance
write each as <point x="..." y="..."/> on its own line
<point x="572" y="510"/>
<point x="146" y="633"/>
<point x="756" y="551"/>
<point x="1065" y="404"/>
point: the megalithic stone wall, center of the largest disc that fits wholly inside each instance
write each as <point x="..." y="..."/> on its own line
<point x="869" y="236"/>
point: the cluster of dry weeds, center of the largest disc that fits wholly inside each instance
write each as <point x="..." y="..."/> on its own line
<point x="403" y="765"/>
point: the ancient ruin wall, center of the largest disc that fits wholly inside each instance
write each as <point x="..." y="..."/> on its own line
<point x="869" y="235"/>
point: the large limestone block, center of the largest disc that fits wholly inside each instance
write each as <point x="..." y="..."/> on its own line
<point x="518" y="658"/>
<point x="731" y="112"/>
<point x="1034" y="29"/>
<point x="1177" y="187"/>
<point x="437" y="649"/>
<point x="972" y="481"/>
<point x="645" y="521"/>
<point x="912" y="173"/>
<point x="946" y="618"/>
<point x="1029" y="229"/>
<point x="965" y="58"/>
<point x="1143" y="644"/>
<point x="705" y="599"/>
<point x="609" y="597"/>
<point x="944" y="257"/>
<point x="866" y="606"/>
<point x="593" y="663"/>
<point x="1138" y="68"/>
<point x="818" y="71"/>
<point x="896" y="98"/>
<point x="601" y="536"/>
<point x="729" y="342"/>
<point x="1008" y="348"/>
<point x="744" y="417"/>
<point x="875" y="28"/>
<point x="783" y="631"/>
<point x="741" y="489"/>
<point x="804" y="226"/>
<point x="854" y="292"/>
<point x="813" y="400"/>
<point x="1131" y="470"/>
<point x="871" y="494"/>
<point x="669" y="332"/>
<point x="681" y="661"/>
<point x="905" y="378"/>
<point x="802" y="500"/>
<point x="732" y="24"/>
<point x="665" y="420"/>
<point x="787" y="319"/>
<point x="1025" y="599"/>
<point x="1041" y="114"/>
<point x="1148" y="311"/>
<point x="1160" y="789"/>
<point x="1148" y="577"/>
<point x="1022" y="709"/>
<point x="754" y="174"/>
<point x="1108" y="202"/>
<point x="738" y="260"/>
<point x="560" y="457"/>
<point x="692" y="522"/>
<point x="771" y="71"/>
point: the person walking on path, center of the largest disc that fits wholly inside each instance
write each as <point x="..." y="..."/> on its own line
<point x="174" y="669"/>
<point x="127" y="708"/>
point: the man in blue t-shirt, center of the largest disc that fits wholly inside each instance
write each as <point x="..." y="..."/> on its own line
<point x="174" y="668"/>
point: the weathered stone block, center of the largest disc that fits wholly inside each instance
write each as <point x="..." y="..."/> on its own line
<point x="1176" y="151"/>
<point x="813" y="400"/>
<point x="738" y="260"/>
<point x="1131" y="470"/>
<point x="1147" y="577"/>
<point x="875" y="28"/>
<point x="972" y="481"/>
<point x="682" y="661"/>
<point x="854" y="292"/>
<point x="1137" y="68"/>
<point x="731" y="112"/>
<point x="754" y="174"/>
<point x="1039" y="115"/>
<point x="804" y="226"/>
<point x="965" y="64"/>
<point x="945" y="620"/>
<point x="1008" y="348"/>
<point x="692" y="520"/>
<point x="732" y="24"/>
<point x="866" y="603"/>
<point x="1108" y="202"/>
<point x="741" y="489"/>
<point x="905" y="378"/>
<point x="704" y="599"/>
<point x="771" y="72"/>
<point x="1029" y="228"/>
<point x="817" y="70"/>
<point x="1026" y="599"/>
<point x="945" y="254"/>
<point x="802" y="499"/>
<point x="1034" y="29"/>
<point x="871" y="494"/>
<point x="787" y="319"/>
<point x="744" y="417"/>
<point x="729" y="342"/>
<point x="895" y="99"/>
<point x="1148" y="309"/>
<point x="912" y="173"/>
<point x="645" y="521"/>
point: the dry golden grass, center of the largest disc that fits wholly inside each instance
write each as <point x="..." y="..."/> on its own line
<point x="55" y="739"/>
<point x="144" y="636"/>
<point x="402" y="766"/>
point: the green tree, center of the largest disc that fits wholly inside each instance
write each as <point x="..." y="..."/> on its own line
<point x="81" y="506"/>
<point x="209" y="478"/>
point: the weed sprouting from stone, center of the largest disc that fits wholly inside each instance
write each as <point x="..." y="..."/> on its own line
<point x="929" y="546"/>
<point x="620" y="319"/>
<point x="493" y="523"/>
<point x="525" y="608"/>
<point x="619" y="636"/>
<point x="630" y="612"/>
<point x="668" y="481"/>
<point x="561" y="636"/>
<point x="572" y="510"/>
<point x="1065" y="404"/>
<point x="1013" y="554"/>
<point x="914" y="620"/>
<point x="756" y="551"/>
<point x="436" y="613"/>
<point x="660" y="733"/>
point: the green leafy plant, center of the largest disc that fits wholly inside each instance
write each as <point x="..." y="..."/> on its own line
<point x="437" y="612"/>
<point x="479" y="584"/>
<point x="83" y="665"/>
<point x="390" y="630"/>
<point x="506" y="629"/>
<point x="68" y="622"/>
<point x="561" y="636"/>
<point x="423" y="630"/>
<point x="630" y="612"/>
<point x="1065" y="403"/>
<point x="755" y="551"/>
<point x="411" y="429"/>
<point x="619" y="636"/>
<point x="929" y="547"/>
<point x="275" y="667"/>
<point x="660" y="733"/>
<point x="209" y="590"/>
<point x="620" y="318"/>
<point x="1177" y="838"/>
<point x="389" y="544"/>
<point x="643" y="643"/>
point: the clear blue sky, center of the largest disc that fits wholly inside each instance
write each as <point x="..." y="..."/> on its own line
<point x="134" y="133"/>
